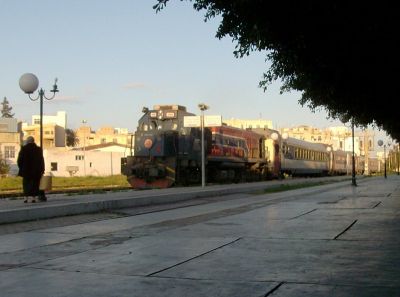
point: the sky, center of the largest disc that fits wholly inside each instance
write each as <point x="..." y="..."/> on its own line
<point x="112" y="58"/>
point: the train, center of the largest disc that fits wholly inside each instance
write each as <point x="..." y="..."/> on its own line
<point x="166" y="153"/>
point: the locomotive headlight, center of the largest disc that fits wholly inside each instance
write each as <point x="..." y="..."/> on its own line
<point x="148" y="143"/>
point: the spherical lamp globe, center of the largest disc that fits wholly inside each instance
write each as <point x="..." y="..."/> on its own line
<point x="28" y="83"/>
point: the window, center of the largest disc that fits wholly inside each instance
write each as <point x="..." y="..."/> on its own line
<point x="36" y="121"/>
<point x="53" y="166"/>
<point x="9" y="152"/>
<point x="79" y="157"/>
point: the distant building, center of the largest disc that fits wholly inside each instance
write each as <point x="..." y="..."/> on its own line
<point x="249" y="124"/>
<point x="10" y="142"/>
<point x="107" y="134"/>
<point x="60" y="119"/>
<point x="53" y="129"/>
<point x="308" y="133"/>
<point x="97" y="160"/>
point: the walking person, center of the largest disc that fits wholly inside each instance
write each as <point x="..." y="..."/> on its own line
<point x="31" y="168"/>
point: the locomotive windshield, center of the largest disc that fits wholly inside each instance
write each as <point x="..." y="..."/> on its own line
<point x="160" y="121"/>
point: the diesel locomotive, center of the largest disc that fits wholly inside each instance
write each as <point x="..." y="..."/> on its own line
<point x="168" y="153"/>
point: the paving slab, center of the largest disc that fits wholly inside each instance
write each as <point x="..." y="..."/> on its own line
<point x="327" y="241"/>
<point x="42" y="283"/>
<point x="14" y="210"/>
<point x="300" y="261"/>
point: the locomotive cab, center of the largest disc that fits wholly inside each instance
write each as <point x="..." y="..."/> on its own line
<point x="162" y="144"/>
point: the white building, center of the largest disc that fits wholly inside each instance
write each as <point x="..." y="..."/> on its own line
<point x="53" y="129"/>
<point x="97" y="160"/>
<point x="249" y="124"/>
<point x="60" y="119"/>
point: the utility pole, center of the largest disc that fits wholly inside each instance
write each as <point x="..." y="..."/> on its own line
<point x="353" y="171"/>
<point x="366" y="152"/>
<point x="203" y="107"/>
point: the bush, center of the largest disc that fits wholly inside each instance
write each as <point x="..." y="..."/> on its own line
<point x="4" y="167"/>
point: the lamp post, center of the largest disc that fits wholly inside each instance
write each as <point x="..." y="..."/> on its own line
<point x="203" y="107"/>
<point x="381" y="143"/>
<point x="397" y="159"/>
<point x="84" y="147"/>
<point x="29" y="84"/>
<point x="353" y="167"/>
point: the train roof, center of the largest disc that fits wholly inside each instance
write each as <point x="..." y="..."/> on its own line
<point x="306" y="144"/>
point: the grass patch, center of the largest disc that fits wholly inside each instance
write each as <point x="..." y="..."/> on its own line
<point x="13" y="185"/>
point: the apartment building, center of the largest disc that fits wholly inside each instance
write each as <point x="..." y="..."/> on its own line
<point x="53" y="129"/>
<point x="10" y="142"/>
<point x="249" y="124"/>
<point x="106" y="134"/>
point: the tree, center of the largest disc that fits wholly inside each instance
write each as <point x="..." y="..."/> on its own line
<point x="6" y="109"/>
<point x="4" y="166"/>
<point x="71" y="137"/>
<point x="342" y="56"/>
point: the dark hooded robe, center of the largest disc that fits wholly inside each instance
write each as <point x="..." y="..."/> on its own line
<point x="31" y="168"/>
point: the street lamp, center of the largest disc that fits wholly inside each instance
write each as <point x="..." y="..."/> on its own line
<point x="84" y="147"/>
<point x="203" y="107"/>
<point x="381" y="143"/>
<point x="353" y="158"/>
<point x="29" y="84"/>
<point x="353" y="167"/>
<point x="397" y="159"/>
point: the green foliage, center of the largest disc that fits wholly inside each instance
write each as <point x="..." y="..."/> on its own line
<point x="6" y="109"/>
<point x="71" y="137"/>
<point x="4" y="167"/>
<point x="342" y="56"/>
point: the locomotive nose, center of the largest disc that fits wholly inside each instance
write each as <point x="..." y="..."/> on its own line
<point x="148" y="143"/>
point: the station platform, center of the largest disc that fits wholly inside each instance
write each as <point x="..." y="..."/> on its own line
<point x="328" y="240"/>
<point x="13" y="209"/>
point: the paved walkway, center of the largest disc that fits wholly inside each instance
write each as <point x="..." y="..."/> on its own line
<point x="14" y="210"/>
<point x="334" y="240"/>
